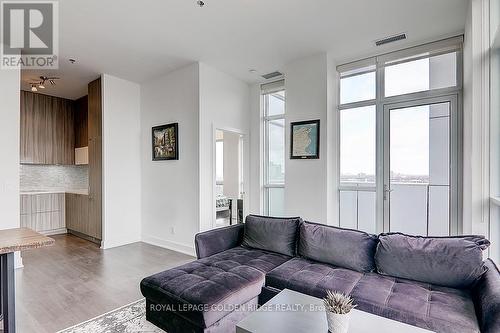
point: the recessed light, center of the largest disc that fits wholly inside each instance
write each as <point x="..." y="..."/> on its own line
<point x="253" y="71"/>
<point x="200" y="3"/>
<point x="71" y="60"/>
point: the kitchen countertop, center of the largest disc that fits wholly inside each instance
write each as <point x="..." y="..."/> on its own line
<point x="54" y="191"/>
<point x="20" y="239"/>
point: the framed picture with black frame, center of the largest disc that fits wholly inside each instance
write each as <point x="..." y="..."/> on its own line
<point x="165" y="140"/>
<point x="304" y="139"/>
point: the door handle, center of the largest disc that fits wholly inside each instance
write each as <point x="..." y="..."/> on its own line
<point x="387" y="190"/>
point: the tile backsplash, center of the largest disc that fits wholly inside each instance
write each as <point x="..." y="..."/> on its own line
<point x="53" y="177"/>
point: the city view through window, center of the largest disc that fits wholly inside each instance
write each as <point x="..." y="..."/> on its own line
<point x="410" y="147"/>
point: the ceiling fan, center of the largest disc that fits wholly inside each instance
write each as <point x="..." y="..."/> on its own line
<point x="41" y="83"/>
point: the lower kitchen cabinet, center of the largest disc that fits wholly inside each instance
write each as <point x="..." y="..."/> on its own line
<point x="43" y="212"/>
<point x="77" y="212"/>
<point x="78" y="217"/>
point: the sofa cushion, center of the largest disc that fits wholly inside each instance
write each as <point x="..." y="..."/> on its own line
<point x="436" y="308"/>
<point x="427" y="306"/>
<point x="346" y="248"/>
<point x="454" y="262"/>
<point x="262" y="260"/>
<point x="272" y="234"/>
<point x="312" y="278"/>
<point x="206" y="290"/>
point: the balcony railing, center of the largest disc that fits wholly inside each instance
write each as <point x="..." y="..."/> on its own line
<point x="415" y="208"/>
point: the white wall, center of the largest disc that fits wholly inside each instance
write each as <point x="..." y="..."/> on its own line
<point x="170" y="189"/>
<point x="475" y="149"/>
<point x="9" y="137"/>
<point x="495" y="129"/>
<point x="332" y="142"/>
<point x="256" y="152"/>
<point x="121" y="162"/>
<point x="311" y="93"/>
<point x="307" y="181"/>
<point x="224" y="104"/>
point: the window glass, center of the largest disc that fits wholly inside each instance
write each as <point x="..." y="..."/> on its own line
<point x="409" y="148"/>
<point x="275" y="103"/>
<point x="421" y="75"/>
<point x="276" y="151"/>
<point x="357" y="88"/>
<point x="276" y="204"/>
<point x="357" y="145"/>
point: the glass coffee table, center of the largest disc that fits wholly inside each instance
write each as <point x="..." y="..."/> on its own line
<point x="294" y="312"/>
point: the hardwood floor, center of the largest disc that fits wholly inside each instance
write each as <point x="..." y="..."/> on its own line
<point x="74" y="281"/>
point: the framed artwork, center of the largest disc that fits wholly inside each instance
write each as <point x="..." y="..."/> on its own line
<point x="166" y="142"/>
<point x="304" y="139"/>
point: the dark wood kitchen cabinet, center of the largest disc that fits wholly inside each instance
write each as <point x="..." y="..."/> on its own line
<point x="81" y="122"/>
<point x="95" y="157"/>
<point x="77" y="213"/>
<point x="47" y="129"/>
<point x="84" y="212"/>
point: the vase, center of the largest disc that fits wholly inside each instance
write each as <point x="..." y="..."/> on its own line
<point x="338" y="323"/>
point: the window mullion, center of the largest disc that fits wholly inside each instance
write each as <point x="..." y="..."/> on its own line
<point x="357" y="104"/>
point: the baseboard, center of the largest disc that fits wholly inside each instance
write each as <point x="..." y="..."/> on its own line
<point x="86" y="237"/>
<point x="170" y="245"/>
<point x="105" y="245"/>
<point x="54" y="232"/>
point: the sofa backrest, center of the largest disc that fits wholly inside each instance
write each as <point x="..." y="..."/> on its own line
<point x="341" y="247"/>
<point x="210" y="242"/>
<point x="454" y="262"/>
<point x="272" y="234"/>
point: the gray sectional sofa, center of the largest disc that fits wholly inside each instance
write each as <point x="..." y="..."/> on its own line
<point x="438" y="283"/>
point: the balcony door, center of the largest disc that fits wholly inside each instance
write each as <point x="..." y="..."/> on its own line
<point x="418" y="193"/>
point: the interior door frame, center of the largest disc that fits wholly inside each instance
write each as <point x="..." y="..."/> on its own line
<point x="244" y="169"/>
<point x="455" y="152"/>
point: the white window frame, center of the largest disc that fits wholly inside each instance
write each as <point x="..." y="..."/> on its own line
<point x="454" y="44"/>
<point x="267" y="89"/>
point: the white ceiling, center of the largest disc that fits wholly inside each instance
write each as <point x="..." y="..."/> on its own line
<point x="139" y="40"/>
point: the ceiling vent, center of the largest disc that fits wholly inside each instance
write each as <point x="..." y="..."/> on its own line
<point x="390" y="39"/>
<point x="272" y="75"/>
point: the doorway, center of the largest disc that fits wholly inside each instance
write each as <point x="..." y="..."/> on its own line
<point x="229" y="191"/>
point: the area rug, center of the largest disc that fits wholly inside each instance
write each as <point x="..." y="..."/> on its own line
<point x="130" y="318"/>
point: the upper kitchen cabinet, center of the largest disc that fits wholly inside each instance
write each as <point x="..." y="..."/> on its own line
<point x="81" y="122"/>
<point x="95" y="109"/>
<point x="81" y="131"/>
<point x="47" y="129"/>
